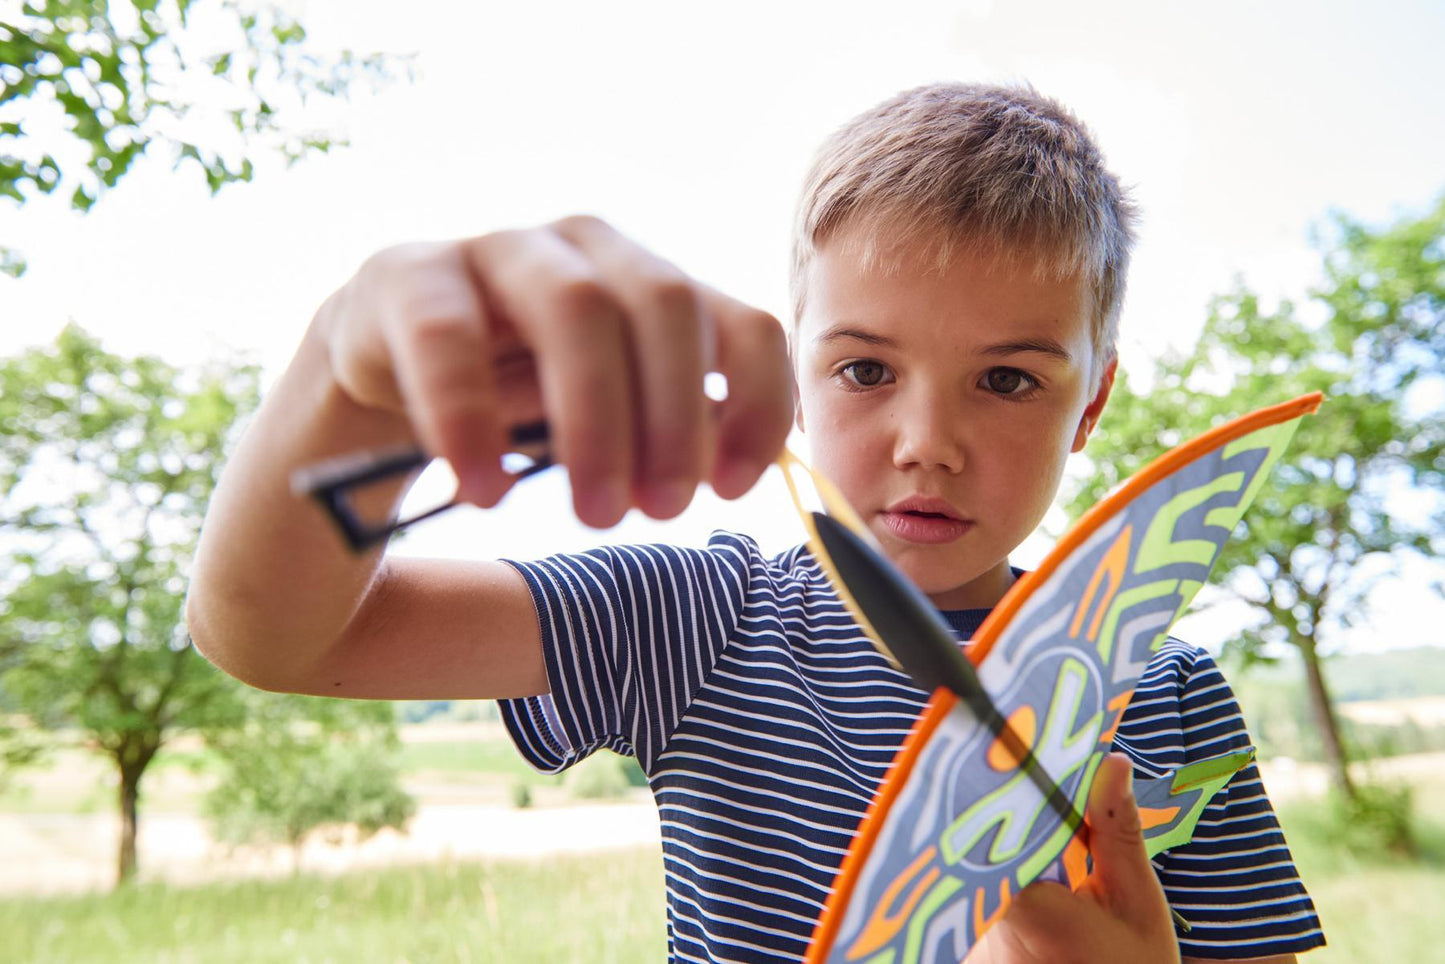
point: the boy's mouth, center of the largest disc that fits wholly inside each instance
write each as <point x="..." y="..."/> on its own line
<point x="926" y="507"/>
<point x="925" y="520"/>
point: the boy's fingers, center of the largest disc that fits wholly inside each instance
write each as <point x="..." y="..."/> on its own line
<point x="1040" y="926"/>
<point x="668" y="330"/>
<point x="435" y="329"/>
<point x="752" y="354"/>
<point x="1122" y="874"/>
<point x="560" y="306"/>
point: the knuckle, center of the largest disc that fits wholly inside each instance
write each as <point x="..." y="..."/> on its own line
<point x="399" y="261"/>
<point x="422" y="289"/>
<point x="583" y="301"/>
<point x="434" y="321"/>
<point x="487" y="245"/>
<point x="574" y="224"/>
<point x="766" y="329"/>
<point x="673" y="297"/>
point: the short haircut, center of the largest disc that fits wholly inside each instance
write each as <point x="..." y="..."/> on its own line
<point x="996" y="168"/>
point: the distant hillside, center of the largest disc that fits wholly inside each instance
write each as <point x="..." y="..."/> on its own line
<point x="1273" y="700"/>
<point x="1392" y="675"/>
<point x="1397" y="674"/>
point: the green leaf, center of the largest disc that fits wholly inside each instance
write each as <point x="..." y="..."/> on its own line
<point x="11" y="262"/>
<point x="72" y="55"/>
<point x="82" y="200"/>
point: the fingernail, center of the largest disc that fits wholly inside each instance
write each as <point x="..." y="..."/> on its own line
<point x="604" y="503"/>
<point x="480" y="484"/>
<point x="733" y="479"/>
<point x="667" y="499"/>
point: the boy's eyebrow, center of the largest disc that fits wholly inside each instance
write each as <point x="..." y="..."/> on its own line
<point x="844" y="330"/>
<point x="1046" y="346"/>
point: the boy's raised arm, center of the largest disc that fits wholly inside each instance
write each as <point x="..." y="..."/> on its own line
<point x="447" y="346"/>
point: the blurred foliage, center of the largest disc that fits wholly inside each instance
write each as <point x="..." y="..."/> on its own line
<point x="86" y="88"/>
<point x="601" y="777"/>
<point x="106" y="466"/>
<point x="1361" y="486"/>
<point x="20" y="746"/>
<point x="295" y="765"/>
<point x="1379" y="817"/>
<point x="521" y="793"/>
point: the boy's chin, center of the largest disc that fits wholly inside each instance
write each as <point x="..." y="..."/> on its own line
<point x="978" y="586"/>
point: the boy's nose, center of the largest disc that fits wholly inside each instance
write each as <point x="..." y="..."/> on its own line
<point x="928" y="435"/>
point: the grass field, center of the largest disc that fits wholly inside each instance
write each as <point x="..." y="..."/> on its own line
<point x="599" y="908"/>
<point x="605" y="908"/>
<point x="1378" y="907"/>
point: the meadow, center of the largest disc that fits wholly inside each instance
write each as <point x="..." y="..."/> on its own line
<point x="605" y="906"/>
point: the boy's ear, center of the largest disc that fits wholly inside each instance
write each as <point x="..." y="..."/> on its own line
<point x="1095" y="408"/>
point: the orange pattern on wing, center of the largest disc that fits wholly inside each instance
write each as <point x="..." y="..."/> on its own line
<point x="982" y="923"/>
<point x="1116" y="707"/>
<point x="1113" y="564"/>
<point x="882" y="926"/>
<point x="1025" y="723"/>
<point x="1157" y="816"/>
<point x="1076" y="861"/>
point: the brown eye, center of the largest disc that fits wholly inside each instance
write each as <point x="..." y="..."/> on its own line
<point x="867" y="374"/>
<point x="1005" y="381"/>
<point x="1009" y="381"/>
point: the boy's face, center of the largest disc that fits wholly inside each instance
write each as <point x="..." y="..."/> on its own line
<point x="945" y="404"/>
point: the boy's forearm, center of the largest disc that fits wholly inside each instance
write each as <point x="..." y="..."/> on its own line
<point x="273" y="584"/>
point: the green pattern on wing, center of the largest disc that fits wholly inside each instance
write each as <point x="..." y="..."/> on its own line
<point x="1185" y="792"/>
<point x="959" y="834"/>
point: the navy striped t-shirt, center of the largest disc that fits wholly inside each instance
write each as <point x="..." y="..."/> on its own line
<point x="765" y="721"/>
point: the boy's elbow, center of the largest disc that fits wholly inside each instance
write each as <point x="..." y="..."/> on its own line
<point x="211" y="639"/>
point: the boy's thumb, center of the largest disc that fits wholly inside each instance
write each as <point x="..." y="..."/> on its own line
<point x="1116" y="840"/>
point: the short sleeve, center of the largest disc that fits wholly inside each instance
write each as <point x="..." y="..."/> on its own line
<point x="1235" y="882"/>
<point x="629" y="635"/>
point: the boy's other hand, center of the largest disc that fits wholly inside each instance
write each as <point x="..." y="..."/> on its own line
<point x="574" y="323"/>
<point x="1118" y="915"/>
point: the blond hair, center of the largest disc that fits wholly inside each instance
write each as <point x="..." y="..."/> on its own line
<point x="995" y="168"/>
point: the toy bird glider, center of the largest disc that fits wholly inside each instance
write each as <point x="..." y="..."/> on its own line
<point x="984" y="796"/>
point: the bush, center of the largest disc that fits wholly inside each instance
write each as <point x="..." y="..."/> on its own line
<point x="521" y="794"/>
<point x="1380" y="818"/>
<point x="600" y="778"/>
<point x="633" y="771"/>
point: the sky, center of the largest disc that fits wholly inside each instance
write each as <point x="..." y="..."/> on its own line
<point x="1237" y="125"/>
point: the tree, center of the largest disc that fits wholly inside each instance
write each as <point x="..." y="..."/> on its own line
<point x="89" y="86"/>
<point x="1361" y="487"/>
<point x="299" y="764"/>
<point x="106" y="465"/>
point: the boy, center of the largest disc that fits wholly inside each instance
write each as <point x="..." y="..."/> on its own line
<point x="959" y="267"/>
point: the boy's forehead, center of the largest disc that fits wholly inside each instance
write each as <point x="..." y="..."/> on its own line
<point x="925" y="279"/>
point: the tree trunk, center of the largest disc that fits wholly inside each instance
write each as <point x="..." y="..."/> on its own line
<point x="129" y="798"/>
<point x="1326" y="721"/>
<point x="132" y="756"/>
